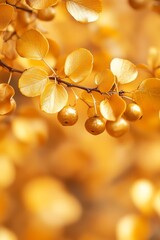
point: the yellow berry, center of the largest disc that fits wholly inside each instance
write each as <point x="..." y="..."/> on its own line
<point x="68" y="116"/>
<point x="133" y="112"/>
<point x="46" y="14"/>
<point x="117" y="128"/>
<point x="95" y="125"/>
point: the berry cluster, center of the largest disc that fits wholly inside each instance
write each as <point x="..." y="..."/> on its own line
<point x="96" y="125"/>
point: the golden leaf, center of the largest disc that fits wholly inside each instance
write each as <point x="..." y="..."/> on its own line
<point x="41" y="4"/>
<point x="32" y="44"/>
<point x="148" y="95"/>
<point x="6" y="15"/>
<point x="54" y="98"/>
<point x="91" y="112"/>
<point x="7" y="102"/>
<point x="50" y="58"/>
<point x="112" y="108"/>
<point x="89" y="98"/>
<point x="84" y="10"/>
<point x="124" y="70"/>
<point x="153" y="58"/>
<point x="78" y="65"/>
<point x="143" y="73"/>
<point x="105" y="80"/>
<point x="33" y="81"/>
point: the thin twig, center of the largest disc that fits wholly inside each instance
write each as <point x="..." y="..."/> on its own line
<point x="20" y="8"/>
<point x="10" y="69"/>
<point x="68" y="84"/>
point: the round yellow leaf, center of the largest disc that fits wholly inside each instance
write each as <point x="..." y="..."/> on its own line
<point x="84" y="10"/>
<point x="54" y="98"/>
<point x="33" y="81"/>
<point x="105" y="80"/>
<point x="89" y="98"/>
<point x="6" y="15"/>
<point x="112" y="108"/>
<point x="148" y="95"/>
<point x="41" y="4"/>
<point x="32" y="44"/>
<point x="124" y="70"/>
<point x="78" y="65"/>
<point x="153" y="58"/>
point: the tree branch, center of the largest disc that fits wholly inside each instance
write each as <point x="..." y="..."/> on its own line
<point x="68" y="84"/>
<point x="20" y="8"/>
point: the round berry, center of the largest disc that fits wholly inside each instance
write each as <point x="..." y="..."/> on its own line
<point x="46" y="14"/>
<point x="95" y="125"/>
<point x="68" y="116"/>
<point x="133" y="112"/>
<point x="117" y="128"/>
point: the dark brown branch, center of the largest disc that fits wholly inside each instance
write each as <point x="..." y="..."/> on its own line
<point x="68" y="84"/>
<point x="71" y="85"/>
<point x="20" y="8"/>
<point x="10" y="69"/>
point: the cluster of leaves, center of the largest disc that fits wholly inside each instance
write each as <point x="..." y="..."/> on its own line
<point x="107" y="100"/>
<point x="81" y="10"/>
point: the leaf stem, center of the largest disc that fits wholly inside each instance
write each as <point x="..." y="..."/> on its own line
<point x="10" y="77"/>
<point x="48" y="65"/>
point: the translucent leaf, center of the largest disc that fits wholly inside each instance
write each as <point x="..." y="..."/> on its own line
<point x="124" y="70"/>
<point x="78" y="65"/>
<point x="105" y="80"/>
<point x="54" y="98"/>
<point x="91" y="112"/>
<point x="50" y="58"/>
<point x="143" y="73"/>
<point x="153" y="58"/>
<point x="84" y="10"/>
<point x="148" y="95"/>
<point x="6" y="15"/>
<point x="32" y="82"/>
<point x="112" y="108"/>
<point x="32" y="44"/>
<point x="88" y="98"/>
<point x="41" y="4"/>
<point x="6" y="98"/>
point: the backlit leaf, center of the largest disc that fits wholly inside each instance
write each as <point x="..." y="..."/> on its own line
<point x="32" y="44"/>
<point x="33" y="81"/>
<point x="84" y="10"/>
<point x="41" y="4"/>
<point x="91" y="112"/>
<point x="89" y="98"/>
<point x="50" y="58"/>
<point x="112" y="108"/>
<point x="105" y="80"/>
<point x="124" y="70"/>
<point x="78" y="65"/>
<point x="143" y="73"/>
<point x="54" y="98"/>
<point x="148" y="95"/>
<point x="153" y="58"/>
<point x="6" y="98"/>
<point x="6" y="15"/>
